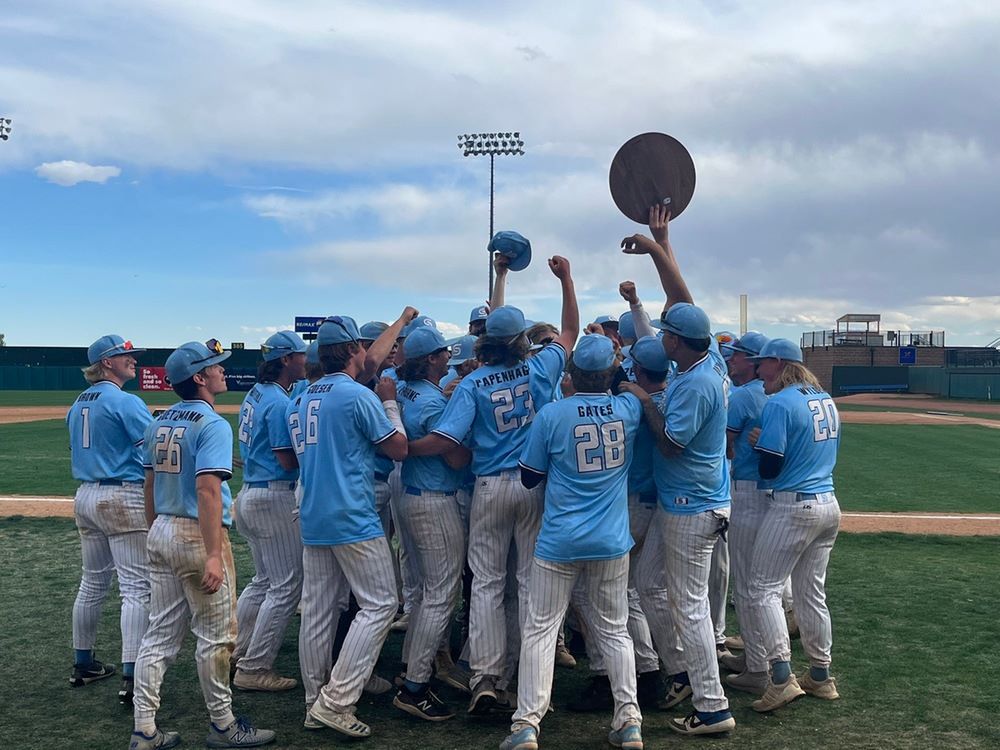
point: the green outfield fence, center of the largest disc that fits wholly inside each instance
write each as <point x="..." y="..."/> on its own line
<point x="982" y="383"/>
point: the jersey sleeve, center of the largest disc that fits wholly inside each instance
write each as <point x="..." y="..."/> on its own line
<point x="535" y="453"/>
<point x="135" y="418"/>
<point x="370" y="417"/>
<point x="630" y="407"/>
<point x="456" y="420"/>
<point x="737" y="416"/>
<point x="277" y="426"/>
<point x="546" y="369"/>
<point x="773" y="428"/>
<point x="686" y="412"/>
<point x="214" y="452"/>
<point x="431" y="414"/>
<point x="148" y="445"/>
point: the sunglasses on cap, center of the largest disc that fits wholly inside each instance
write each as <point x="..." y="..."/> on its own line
<point x="126" y="345"/>
<point x="339" y="321"/>
<point x="214" y="349"/>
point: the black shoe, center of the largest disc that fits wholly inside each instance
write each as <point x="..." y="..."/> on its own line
<point x="88" y="673"/>
<point x="424" y="705"/>
<point x="595" y="697"/>
<point x="126" y="691"/>
<point x="650" y="688"/>
<point x="484" y="696"/>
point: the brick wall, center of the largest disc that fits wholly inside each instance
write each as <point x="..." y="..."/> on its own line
<point x="822" y="361"/>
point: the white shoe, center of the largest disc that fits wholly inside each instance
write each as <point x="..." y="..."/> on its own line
<point x="777" y="696"/>
<point x="401" y="623"/>
<point x="264" y="682"/>
<point x="377" y="685"/>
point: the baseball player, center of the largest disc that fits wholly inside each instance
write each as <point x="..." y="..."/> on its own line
<point x="188" y="456"/>
<point x="342" y="424"/>
<point x="583" y="446"/>
<point x="797" y="448"/>
<point x="430" y="514"/>
<point x="266" y="516"/>
<point x="477" y="319"/>
<point x="497" y="404"/>
<point x="106" y="429"/>
<point x="749" y="504"/>
<point x="463" y="361"/>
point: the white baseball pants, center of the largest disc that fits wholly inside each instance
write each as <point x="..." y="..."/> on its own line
<point x="749" y="507"/>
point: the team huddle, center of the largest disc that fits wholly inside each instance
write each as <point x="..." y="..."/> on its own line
<point x="616" y="480"/>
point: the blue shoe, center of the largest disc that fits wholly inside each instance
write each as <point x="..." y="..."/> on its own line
<point x="525" y="738"/>
<point x="629" y="737"/>
<point x="159" y="741"/>
<point x="241" y="733"/>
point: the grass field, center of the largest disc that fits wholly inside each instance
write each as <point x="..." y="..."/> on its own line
<point x="914" y="655"/>
<point x="949" y="468"/>
<point x="954" y="405"/>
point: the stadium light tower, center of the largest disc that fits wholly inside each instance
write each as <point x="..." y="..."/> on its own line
<point x="4" y="128"/>
<point x="492" y="145"/>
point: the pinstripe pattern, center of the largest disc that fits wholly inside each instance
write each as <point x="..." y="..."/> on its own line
<point x="748" y="509"/>
<point x="366" y="567"/>
<point x="502" y="512"/>
<point x="651" y="583"/>
<point x="382" y="494"/>
<point x="690" y="539"/>
<point x="176" y="565"/>
<point x="434" y="524"/>
<point x="112" y="526"/>
<point x="549" y="591"/>
<point x="265" y="517"/>
<point x="409" y="574"/>
<point x="795" y="539"/>
<point x="718" y="588"/>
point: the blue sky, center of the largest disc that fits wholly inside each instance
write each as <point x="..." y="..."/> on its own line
<point x="182" y="170"/>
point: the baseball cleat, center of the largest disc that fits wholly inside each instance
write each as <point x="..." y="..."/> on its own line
<point x="733" y="662"/>
<point x="448" y="672"/>
<point x="126" y="691"/>
<point x="825" y="689"/>
<point x="401" y="623"/>
<point x="748" y="682"/>
<point x="679" y="691"/>
<point x="310" y="723"/>
<point x="424" y="705"/>
<point x="777" y="696"/>
<point x="693" y="724"/>
<point x="564" y="658"/>
<point x="484" y="696"/>
<point x="525" y="738"/>
<point x="88" y="673"/>
<point x="629" y="737"/>
<point x="267" y="681"/>
<point x="735" y="641"/>
<point x="159" y="741"/>
<point x="241" y="733"/>
<point x="377" y="685"/>
<point x="345" y="723"/>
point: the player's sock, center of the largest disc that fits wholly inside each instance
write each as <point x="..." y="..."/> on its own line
<point x="681" y="678"/>
<point x="819" y="674"/>
<point x="414" y="687"/>
<point x="84" y="657"/>
<point x="147" y="727"/>
<point x="711" y="717"/>
<point x="780" y="672"/>
<point x="128" y="669"/>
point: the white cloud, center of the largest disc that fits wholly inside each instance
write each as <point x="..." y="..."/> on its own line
<point x="68" y="173"/>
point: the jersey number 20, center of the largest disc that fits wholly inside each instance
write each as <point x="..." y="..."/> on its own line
<point x="826" y="420"/>
<point x="599" y="447"/>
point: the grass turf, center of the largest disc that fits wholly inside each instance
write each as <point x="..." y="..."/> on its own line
<point x="954" y="406"/>
<point x="913" y="656"/>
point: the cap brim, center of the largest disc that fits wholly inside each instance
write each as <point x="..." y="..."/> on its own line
<point x="518" y="260"/>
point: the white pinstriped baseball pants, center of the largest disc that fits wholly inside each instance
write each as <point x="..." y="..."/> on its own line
<point x="365" y="567"/>
<point x="112" y="525"/>
<point x="503" y="512"/>
<point x="748" y="509"/>
<point x="650" y="579"/>
<point x="176" y="566"/>
<point x="549" y="591"/>
<point x="795" y="539"/>
<point x="690" y="539"/>
<point x="434" y="524"/>
<point x="265" y="517"/>
<point x="718" y="588"/>
<point x="406" y="565"/>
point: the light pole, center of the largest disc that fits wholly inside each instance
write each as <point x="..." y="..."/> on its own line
<point x="492" y="145"/>
<point x="4" y="128"/>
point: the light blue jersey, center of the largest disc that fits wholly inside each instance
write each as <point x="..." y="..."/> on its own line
<point x="584" y="445"/>
<point x="696" y="407"/>
<point x="298" y="388"/>
<point x="802" y="424"/>
<point x="341" y="422"/>
<point x="422" y="404"/>
<point x="188" y="439"/>
<point x="627" y="367"/>
<point x="106" y="429"/>
<point x="263" y="429"/>
<point x="451" y="375"/>
<point x="745" y="405"/>
<point x="640" y="475"/>
<point x="497" y="404"/>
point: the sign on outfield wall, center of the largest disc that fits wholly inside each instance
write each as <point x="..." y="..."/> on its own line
<point x="153" y="379"/>
<point x="308" y="323"/>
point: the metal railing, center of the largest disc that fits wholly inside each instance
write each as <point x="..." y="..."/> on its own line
<point x="819" y="339"/>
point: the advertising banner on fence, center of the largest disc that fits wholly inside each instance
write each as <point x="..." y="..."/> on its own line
<point x="153" y="379"/>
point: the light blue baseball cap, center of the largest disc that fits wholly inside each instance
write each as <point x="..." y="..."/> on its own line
<point x="594" y="353"/>
<point x="312" y="353"/>
<point x="506" y="322"/>
<point x="463" y="350"/>
<point x="514" y="246"/>
<point x="479" y="313"/>
<point x="626" y="326"/>
<point x="749" y="343"/>
<point x="281" y="344"/>
<point x="418" y="322"/>
<point x="606" y="320"/>
<point x="784" y="349"/>
<point x="648" y="352"/>
<point x="193" y="357"/>
<point x="422" y="342"/>
<point x="110" y="346"/>
<point x="372" y="330"/>
<point x="687" y="320"/>
<point x="338" y="329"/>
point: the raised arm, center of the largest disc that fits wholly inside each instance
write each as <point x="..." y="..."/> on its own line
<point x="570" y="329"/>
<point x="660" y="250"/>
<point x="381" y="346"/>
<point x="500" y="263"/>
<point x="640" y="318"/>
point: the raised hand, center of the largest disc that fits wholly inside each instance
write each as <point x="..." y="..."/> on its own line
<point x="559" y="267"/>
<point x="627" y="290"/>
<point x="659" y="218"/>
<point x="639" y="244"/>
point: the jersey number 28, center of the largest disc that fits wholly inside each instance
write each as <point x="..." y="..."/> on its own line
<point x="599" y="447"/>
